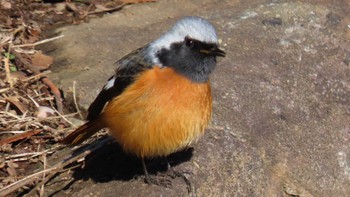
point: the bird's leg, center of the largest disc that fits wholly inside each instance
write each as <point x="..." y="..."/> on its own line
<point x="150" y="180"/>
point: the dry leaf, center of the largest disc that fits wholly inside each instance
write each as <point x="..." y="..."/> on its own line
<point x="34" y="30"/>
<point x="11" y="170"/>
<point x="18" y="75"/>
<point x="19" y="107"/>
<point x="19" y="137"/>
<point x="42" y="61"/>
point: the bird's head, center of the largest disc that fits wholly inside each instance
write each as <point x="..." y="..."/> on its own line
<point x="190" y="47"/>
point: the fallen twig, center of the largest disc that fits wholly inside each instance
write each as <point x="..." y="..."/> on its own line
<point x="9" y="114"/>
<point x="75" y="101"/>
<point x="107" y="9"/>
<point x="11" y="132"/>
<point x="63" y="118"/>
<point x="4" y="90"/>
<point x="39" y="42"/>
<point x="37" y="76"/>
<point x="42" y="188"/>
<point x="28" y="119"/>
<point x="30" y="154"/>
<point x="7" y="66"/>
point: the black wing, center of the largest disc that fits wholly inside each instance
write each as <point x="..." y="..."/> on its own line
<point x="127" y="69"/>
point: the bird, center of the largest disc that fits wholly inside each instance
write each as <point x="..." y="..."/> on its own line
<point x="159" y="99"/>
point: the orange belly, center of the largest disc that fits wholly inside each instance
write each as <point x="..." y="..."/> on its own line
<point x="160" y="113"/>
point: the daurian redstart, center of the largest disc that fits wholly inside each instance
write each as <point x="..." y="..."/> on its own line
<point x="159" y="99"/>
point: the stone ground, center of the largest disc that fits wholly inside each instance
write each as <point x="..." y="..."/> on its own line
<point x="281" y="123"/>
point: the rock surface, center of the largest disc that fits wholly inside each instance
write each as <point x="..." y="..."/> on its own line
<point x="281" y="123"/>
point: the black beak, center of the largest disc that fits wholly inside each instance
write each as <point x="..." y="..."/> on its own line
<point x="214" y="52"/>
<point x="219" y="52"/>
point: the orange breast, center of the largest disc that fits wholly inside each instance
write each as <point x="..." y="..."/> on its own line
<point x="160" y="113"/>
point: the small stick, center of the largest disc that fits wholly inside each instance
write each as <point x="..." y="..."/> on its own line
<point x="31" y="154"/>
<point x="34" y="102"/>
<point x="9" y="114"/>
<point x="39" y="42"/>
<point x="117" y="7"/>
<point x="42" y="189"/>
<point x="28" y="119"/>
<point x="75" y="101"/>
<point x="7" y="66"/>
<point x="62" y="116"/>
<point x="11" y="132"/>
<point x="4" y="90"/>
<point x="107" y="10"/>
<point x="37" y="76"/>
<point x="87" y="11"/>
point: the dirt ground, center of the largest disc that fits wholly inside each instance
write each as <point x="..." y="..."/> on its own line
<point x="281" y="103"/>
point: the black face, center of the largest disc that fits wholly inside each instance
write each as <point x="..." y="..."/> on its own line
<point x="191" y="58"/>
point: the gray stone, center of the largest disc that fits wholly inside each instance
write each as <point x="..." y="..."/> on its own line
<point x="281" y="96"/>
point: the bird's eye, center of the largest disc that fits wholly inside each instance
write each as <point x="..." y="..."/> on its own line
<point x="189" y="42"/>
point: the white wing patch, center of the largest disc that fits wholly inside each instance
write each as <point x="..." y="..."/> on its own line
<point x="110" y="83"/>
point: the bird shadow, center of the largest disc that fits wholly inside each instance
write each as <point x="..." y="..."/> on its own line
<point x="110" y="162"/>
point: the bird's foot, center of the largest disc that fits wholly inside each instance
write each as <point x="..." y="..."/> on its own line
<point x="156" y="180"/>
<point x="181" y="174"/>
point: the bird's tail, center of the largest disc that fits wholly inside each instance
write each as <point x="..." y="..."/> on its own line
<point x="83" y="132"/>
